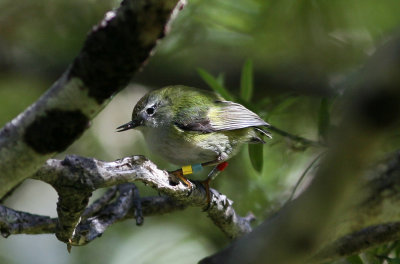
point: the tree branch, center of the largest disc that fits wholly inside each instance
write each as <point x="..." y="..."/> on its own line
<point x="304" y="142"/>
<point x="14" y="222"/>
<point x="359" y="241"/>
<point x="116" y="48"/>
<point x="88" y="174"/>
<point x="370" y="220"/>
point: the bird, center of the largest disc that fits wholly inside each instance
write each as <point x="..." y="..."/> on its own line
<point x="194" y="128"/>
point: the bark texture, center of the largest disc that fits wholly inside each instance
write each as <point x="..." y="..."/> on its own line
<point x="114" y="50"/>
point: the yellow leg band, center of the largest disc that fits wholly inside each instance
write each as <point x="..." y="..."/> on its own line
<point x="187" y="170"/>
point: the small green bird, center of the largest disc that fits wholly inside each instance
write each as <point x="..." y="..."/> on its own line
<point x="186" y="125"/>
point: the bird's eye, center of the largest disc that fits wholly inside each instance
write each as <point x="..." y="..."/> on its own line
<point x="150" y="111"/>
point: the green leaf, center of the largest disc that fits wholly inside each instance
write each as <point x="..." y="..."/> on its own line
<point x="355" y="259"/>
<point x="246" y="81"/>
<point x="256" y="153"/>
<point x="215" y="84"/>
<point x="323" y="119"/>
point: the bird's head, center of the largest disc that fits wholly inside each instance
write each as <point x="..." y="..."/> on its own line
<point x="153" y="110"/>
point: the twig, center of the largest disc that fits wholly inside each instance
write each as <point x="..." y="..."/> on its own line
<point x="304" y="174"/>
<point x="359" y="241"/>
<point x="96" y="225"/>
<point x="14" y="222"/>
<point x="137" y="205"/>
<point x="301" y="140"/>
<point x="100" y="203"/>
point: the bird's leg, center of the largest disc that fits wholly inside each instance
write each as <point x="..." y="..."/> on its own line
<point x="179" y="174"/>
<point x="211" y="176"/>
<point x="186" y="170"/>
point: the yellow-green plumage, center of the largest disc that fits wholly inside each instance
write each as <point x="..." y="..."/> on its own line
<point x="186" y="125"/>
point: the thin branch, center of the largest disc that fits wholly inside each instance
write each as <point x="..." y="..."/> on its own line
<point x="14" y="222"/>
<point x="303" y="141"/>
<point x="137" y="205"/>
<point x="309" y="167"/>
<point x="100" y="203"/>
<point x="359" y="241"/>
<point x="96" y="225"/>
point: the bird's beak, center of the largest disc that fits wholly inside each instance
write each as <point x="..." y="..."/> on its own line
<point x="130" y="125"/>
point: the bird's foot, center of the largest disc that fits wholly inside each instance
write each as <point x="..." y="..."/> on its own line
<point x="179" y="174"/>
<point x="206" y="185"/>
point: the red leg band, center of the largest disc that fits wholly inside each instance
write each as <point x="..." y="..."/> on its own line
<point x="222" y="166"/>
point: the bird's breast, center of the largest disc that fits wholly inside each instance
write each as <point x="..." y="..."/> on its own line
<point x="186" y="147"/>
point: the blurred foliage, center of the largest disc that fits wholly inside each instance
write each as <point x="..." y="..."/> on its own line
<point x="285" y="60"/>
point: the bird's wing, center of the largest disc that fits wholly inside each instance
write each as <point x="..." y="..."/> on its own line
<point x="228" y="115"/>
<point x="223" y="115"/>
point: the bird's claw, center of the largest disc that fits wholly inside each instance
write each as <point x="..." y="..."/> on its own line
<point x="178" y="174"/>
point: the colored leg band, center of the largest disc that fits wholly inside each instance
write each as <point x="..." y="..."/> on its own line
<point x="190" y="169"/>
<point x="197" y="167"/>
<point x="187" y="170"/>
<point x="222" y="166"/>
